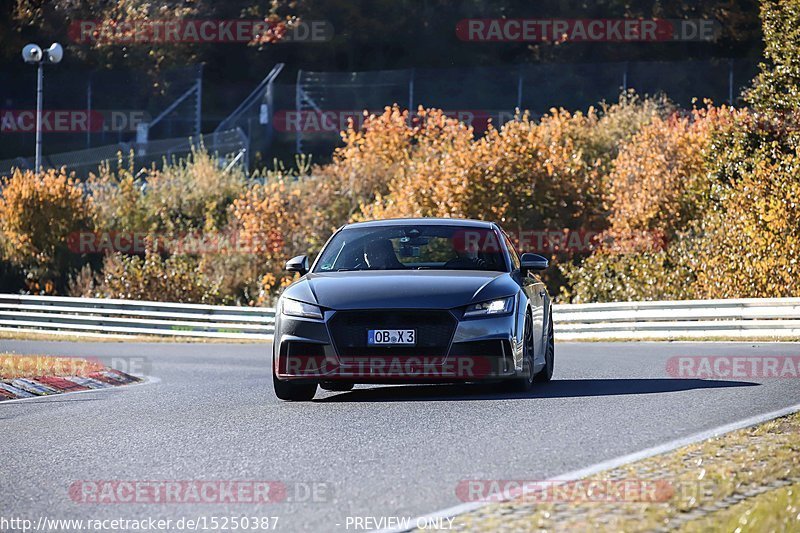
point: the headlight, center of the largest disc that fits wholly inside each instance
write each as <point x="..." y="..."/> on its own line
<point x="492" y="307"/>
<point x="295" y="308"/>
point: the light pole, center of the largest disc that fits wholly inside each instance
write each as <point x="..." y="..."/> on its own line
<point x="33" y="54"/>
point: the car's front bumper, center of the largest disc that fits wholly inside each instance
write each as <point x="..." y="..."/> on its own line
<point x="478" y="349"/>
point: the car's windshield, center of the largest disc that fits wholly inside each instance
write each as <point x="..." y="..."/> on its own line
<point x="412" y="246"/>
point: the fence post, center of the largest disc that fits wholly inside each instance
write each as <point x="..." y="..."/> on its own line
<point x="298" y="147"/>
<point x="625" y="78"/>
<point x="198" y="108"/>
<point x="89" y="111"/>
<point x="411" y="94"/>
<point x="268" y="102"/>
<point x="730" y="81"/>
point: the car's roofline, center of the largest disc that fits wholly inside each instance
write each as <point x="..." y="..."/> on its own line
<point x="462" y="222"/>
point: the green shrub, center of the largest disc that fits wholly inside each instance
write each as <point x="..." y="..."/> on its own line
<point x="191" y="194"/>
<point x="777" y="86"/>
<point x="749" y="139"/>
<point x="749" y="244"/>
<point x="609" y="276"/>
<point x="174" y="279"/>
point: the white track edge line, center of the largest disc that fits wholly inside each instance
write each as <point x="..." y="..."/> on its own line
<point x="463" y="508"/>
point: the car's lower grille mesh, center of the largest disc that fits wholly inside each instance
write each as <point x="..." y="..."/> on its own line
<point x="434" y="331"/>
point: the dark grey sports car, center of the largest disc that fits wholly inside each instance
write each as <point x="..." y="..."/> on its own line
<point x="413" y="301"/>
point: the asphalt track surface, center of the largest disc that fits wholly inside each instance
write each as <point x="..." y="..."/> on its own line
<point x="379" y="451"/>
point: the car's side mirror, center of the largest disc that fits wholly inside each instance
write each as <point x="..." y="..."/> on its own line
<point x="533" y="262"/>
<point x="298" y="264"/>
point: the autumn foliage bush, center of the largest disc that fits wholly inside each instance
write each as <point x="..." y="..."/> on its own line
<point x="659" y="184"/>
<point x="41" y="215"/>
<point x="270" y="218"/>
<point x="723" y="187"/>
<point x="37" y="213"/>
<point x="685" y="204"/>
<point x="660" y="179"/>
<point x="688" y="204"/>
<point x="527" y="174"/>
<point x="748" y="243"/>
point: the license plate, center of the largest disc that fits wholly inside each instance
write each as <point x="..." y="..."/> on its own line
<point x="404" y="337"/>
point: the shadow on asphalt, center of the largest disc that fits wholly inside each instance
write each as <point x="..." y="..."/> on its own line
<point x="562" y="388"/>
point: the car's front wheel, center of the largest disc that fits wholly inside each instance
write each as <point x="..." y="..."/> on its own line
<point x="293" y="392"/>
<point x="524" y="382"/>
<point x="546" y="374"/>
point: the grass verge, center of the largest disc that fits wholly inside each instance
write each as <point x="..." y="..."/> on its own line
<point x="770" y="511"/>
<point x="746" y="480"/>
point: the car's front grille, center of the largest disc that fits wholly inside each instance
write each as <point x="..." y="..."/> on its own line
<point x="434" y="330"/>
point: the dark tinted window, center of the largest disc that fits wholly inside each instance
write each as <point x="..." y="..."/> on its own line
<point x="412" y="247"/>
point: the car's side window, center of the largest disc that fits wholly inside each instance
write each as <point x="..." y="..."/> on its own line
<point x="512" y="253"/>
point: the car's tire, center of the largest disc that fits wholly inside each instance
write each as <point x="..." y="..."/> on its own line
<point x="336" y="386"/>
<point x="293" y="392"/>
<point x="546" y="373"/>
<point x="524" y="383"/>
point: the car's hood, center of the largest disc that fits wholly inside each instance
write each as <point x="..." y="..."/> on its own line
<point x="434" y="289"/>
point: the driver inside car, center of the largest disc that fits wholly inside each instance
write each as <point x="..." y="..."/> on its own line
<point x="466" y="257"/>
<point x="379" y="255"/>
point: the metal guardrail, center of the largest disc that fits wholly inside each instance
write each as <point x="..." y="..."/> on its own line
<point x="753" y="317"/>
<point x="92" y="316"/>
<point x="748" y="317"/>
